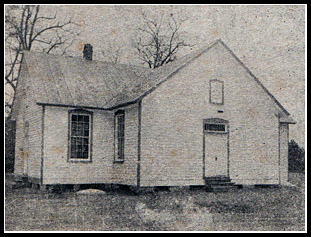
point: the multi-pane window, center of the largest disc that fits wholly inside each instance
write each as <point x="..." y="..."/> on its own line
<point x="119" y="136"/>
<point x="80" y="135"/>
<point x="216" y="91"/>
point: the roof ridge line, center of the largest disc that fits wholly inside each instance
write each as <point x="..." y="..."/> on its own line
<point x="82" y="59"/>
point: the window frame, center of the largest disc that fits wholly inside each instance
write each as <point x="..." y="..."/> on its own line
<point x="90" y="135"/>
<point x="117" y="158"/>
<point x="222" y="92"/>
<point x="215" y="121"/>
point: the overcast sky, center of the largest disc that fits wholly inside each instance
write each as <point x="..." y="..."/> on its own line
<point x="269" y="39"/>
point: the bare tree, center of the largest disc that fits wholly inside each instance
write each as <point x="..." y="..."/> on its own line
<point x="112" y="52"/>
<point x="25" y="28"/>
<point x="159" y="40"/>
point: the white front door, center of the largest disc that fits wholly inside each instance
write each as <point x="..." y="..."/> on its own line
<point x="216" y="154"/>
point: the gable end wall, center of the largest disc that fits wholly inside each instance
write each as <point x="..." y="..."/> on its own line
<point x="172" y="118"/>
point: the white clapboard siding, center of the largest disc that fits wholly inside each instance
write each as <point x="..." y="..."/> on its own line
<point x="172" y="124"/>
<point x="164" y="112"/>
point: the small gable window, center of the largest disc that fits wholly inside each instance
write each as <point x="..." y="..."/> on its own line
<point x="216" y="91"/>
<point x="80" y="139"/>
<point x="119" y="136"/>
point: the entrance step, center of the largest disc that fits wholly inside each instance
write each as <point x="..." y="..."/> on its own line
<point x="219" y="184"/>
<point x="217" y="178"/>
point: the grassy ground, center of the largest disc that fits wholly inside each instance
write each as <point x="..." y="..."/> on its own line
<point x="274" y="209"/>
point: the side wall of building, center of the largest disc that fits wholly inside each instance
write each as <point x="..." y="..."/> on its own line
<point x="102" y="169"/>
<point x="172" y="124"/>
<point x="126" y="172"/>
<point x="28" y="117"/>
<point x="284" y="153"/>
<point x="19" y="116"/>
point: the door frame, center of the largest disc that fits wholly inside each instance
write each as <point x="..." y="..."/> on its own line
<point x="216" y="121"/>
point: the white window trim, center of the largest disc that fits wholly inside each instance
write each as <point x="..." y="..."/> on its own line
<point x="213" y="131"/>
<point x="117" y="159"/>
<point x="90" y="114"/>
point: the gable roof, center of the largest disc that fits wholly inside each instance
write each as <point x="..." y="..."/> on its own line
<point x="78" y="82"/>
<point x="68" y="81"/>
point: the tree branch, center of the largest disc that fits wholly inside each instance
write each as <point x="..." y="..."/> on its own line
<point x="161" y="42"/>
<point x="24" y="27"/>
